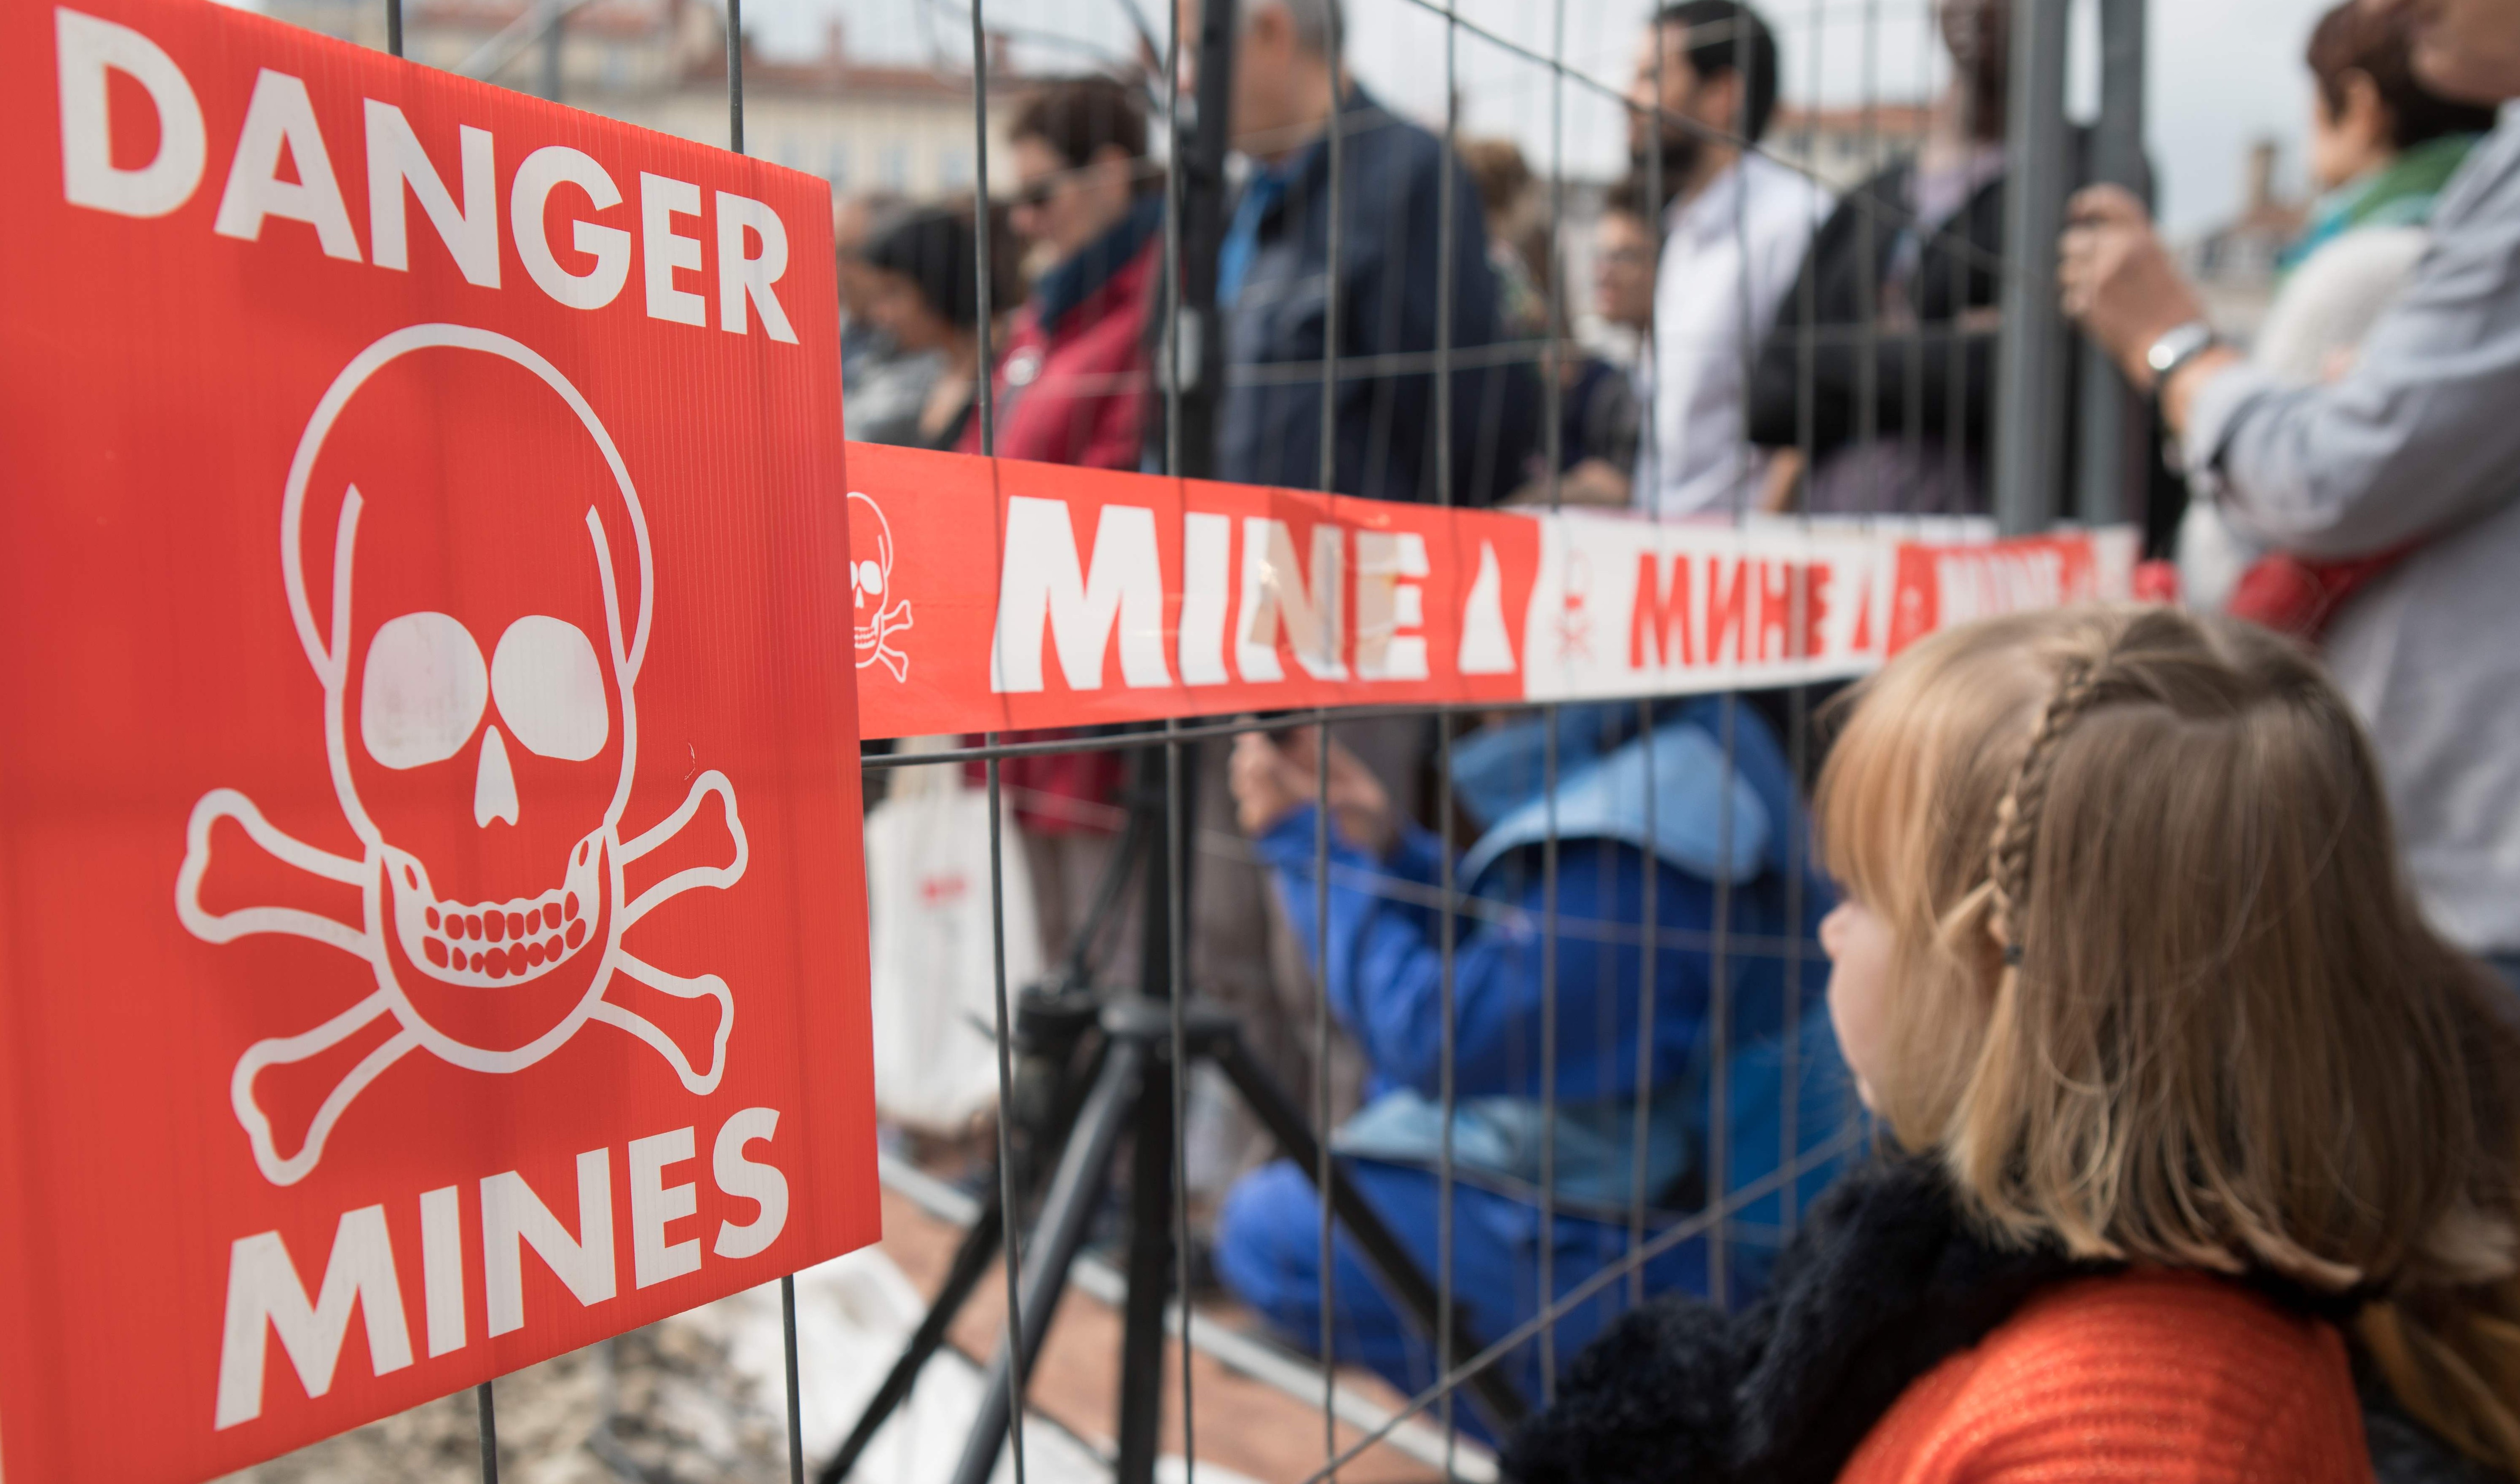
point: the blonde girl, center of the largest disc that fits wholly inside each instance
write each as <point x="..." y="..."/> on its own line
<point x="2199" y="1145"/>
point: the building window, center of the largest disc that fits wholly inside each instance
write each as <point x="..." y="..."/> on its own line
<point x="953" y="168"/>
<point x="896" y="166"/>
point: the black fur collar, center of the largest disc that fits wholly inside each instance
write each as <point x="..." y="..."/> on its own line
<point x="1882" y="1282"/>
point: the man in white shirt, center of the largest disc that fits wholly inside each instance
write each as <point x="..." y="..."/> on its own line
<point x="1733" y="236"/>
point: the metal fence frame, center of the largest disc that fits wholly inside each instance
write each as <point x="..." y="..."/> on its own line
<point x="2029" y="472"/>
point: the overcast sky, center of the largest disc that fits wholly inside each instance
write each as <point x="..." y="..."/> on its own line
<point x="2223" y="72"/>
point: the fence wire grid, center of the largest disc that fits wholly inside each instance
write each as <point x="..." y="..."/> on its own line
<point x="1981" y="405"/>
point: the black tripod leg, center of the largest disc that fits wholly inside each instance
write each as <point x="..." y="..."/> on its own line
<point x="1066" y="1219"/>
<point x="1150" y="1174"/>
<point x="1408" y="1288"/>
<point x="1151" y="1264"/>
<point x="971" y="1262"/>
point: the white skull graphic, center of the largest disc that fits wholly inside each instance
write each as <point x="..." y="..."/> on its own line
<point x="478" y="632"/>
<point x="881" y="617"/>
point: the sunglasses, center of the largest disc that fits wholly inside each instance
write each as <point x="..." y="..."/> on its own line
<point x="1038" y="194"/>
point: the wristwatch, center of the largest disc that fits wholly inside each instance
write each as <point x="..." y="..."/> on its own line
<point x="2177" y="346"/>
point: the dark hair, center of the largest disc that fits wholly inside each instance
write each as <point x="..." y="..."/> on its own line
<point x="935" y="248"/>
<point x="1626" y="197"/>
<point x="1726" y="35"/>
<point x="1497" y="168"/>
<point x="2351" y="38"/>
<point x="1082" y="117"/>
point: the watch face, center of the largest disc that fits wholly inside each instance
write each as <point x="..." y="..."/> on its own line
<point x="2176" y="345"/>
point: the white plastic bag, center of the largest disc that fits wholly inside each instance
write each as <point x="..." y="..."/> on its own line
<point x="933" y="982"/>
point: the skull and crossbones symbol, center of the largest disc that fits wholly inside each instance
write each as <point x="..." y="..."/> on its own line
<point x="481" y="728"/>
<point x="871" y="584"/>
<point x="1574" y="614"/>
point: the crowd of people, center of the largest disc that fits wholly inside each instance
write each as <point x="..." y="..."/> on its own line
<point x="2169" y="951"/>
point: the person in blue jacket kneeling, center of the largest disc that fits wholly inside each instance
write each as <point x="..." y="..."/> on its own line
<point x="1701" y="813"/>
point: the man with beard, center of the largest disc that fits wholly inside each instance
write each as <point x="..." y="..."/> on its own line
<point x="1734" y="226"/>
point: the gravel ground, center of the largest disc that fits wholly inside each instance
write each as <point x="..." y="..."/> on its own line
<point x="657" y="1405"/>
<point x="699" y="1399"/>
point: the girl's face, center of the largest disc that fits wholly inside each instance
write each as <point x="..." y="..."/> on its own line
<point x="1858" y="946"/>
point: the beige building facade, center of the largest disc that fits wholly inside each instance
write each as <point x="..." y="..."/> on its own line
<point x="662" y="63"/>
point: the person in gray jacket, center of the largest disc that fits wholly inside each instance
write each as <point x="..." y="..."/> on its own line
<point x="2398" y="484"/>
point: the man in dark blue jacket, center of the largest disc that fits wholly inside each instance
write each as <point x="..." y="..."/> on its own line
<point x="1274" y="279"/>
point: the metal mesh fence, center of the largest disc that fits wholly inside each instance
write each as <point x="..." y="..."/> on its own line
<point x="1422" y="286"/>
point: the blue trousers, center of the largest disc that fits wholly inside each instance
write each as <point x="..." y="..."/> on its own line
<point x="1268" y="1249"/>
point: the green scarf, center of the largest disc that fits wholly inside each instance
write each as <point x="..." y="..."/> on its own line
<point x="2398" y="194"/>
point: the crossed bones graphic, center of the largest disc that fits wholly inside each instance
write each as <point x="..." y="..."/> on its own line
<point x="424" y="694"/>
<point x="871" y="585"/>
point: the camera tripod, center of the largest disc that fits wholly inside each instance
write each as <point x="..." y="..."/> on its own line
<point x="1092" y="1070"/>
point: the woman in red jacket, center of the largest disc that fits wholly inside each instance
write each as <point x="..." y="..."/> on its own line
<point x="1072" y="389"/>
<point x="1072" y="386"/>
<point x="2204" y="1144"/>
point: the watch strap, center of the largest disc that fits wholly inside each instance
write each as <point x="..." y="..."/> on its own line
<point x="2177" y="346"/>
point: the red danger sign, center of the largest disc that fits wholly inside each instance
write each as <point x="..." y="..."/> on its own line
<point x="432" y="929"/>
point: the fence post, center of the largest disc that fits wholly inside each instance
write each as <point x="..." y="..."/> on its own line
<point x="552" y="13"/>
<point x="734" y="75"/>
<point x="1201" y="173"/>
<point x="2030" y="374"/>
<point x="2114" y="440"/>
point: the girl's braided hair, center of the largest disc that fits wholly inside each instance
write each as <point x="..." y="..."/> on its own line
<point x="2016" y="817"/>
<point x="2159" y="989"/>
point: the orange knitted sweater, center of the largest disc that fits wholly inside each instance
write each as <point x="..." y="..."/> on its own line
<point x="2165" y="1378"/>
